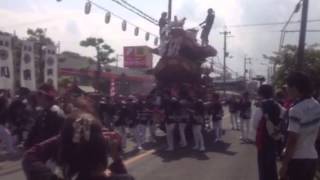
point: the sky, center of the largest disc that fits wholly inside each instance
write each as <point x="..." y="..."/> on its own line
<point x="66" y="23"/>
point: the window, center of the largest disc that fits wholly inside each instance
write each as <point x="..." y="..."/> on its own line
<point x="50" y="72"/>
<point x="27" y="74"/>
<point x="4" y="72"/>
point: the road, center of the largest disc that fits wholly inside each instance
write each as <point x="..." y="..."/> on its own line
<point x="227" y="160"/>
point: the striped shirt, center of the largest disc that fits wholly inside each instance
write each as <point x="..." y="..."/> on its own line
<point x="304" y="119"/>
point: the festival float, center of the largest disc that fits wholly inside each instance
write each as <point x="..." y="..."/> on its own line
<point x="181" y="59"/>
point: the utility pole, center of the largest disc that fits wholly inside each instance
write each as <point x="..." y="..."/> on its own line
<point x="246" y="60"/>
<point x="225" y="34"/>
<point x="169" y="10"/>
<point x="304" y="19"/>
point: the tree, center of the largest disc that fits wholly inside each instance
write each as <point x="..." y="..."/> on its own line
<point x="286" y="60"/>
<point x="103" y="52"/>
<point x="38" y="35"/>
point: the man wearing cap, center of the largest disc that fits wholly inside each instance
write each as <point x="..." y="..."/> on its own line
<point x="206" y="27"/>
<point x="50" y="120"/>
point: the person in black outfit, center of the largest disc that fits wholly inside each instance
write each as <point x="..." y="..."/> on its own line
<point x="245" y="116"/>
<point x="80" y="151"/>
<point x="197" y="120"/>
<point x="233" y="110"/>
<point x="267" y="119"/>
<point x="50" y="120"/>
<point x="206" y="27"/>
<point x="144" y="118"/>
<point x="183" y="118"/>
<point x="171" y="119"/>
<point x="121" y="121"/>
<point x="216" y="113"/>
<point x="133" y="108"/>
<point x="19" y="117"/>
<point x="163" y="21"/>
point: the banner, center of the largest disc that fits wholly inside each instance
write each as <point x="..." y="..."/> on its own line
<point x="112" y="87"/>
<point x="51" y="65"/>
<point x="28" y="74"/>
<point x="6" y="63"/>
<point x="137" y="57"/>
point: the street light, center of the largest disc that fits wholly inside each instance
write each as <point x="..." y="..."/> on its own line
<point x="302" y="39"/>
<point x="283" y="31"/>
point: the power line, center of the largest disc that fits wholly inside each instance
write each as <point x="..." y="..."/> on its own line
<point x="271" y="23"/>
<point x="119" y="17"/>
<point x="155" y="20"/>
<point x="136" y="11"/>
<point x="293" y="31"/>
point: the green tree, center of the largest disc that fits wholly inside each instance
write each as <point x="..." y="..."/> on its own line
<point x="287" y="62"/>
<point x="38" y="35"/>
<point x="103" y="53"/>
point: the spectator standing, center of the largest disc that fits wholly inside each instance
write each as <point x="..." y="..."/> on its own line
<point x="266" y="120"/>
<point x="232" y="105"/>
<point x="300" y="155"/>
<point x="245" y="115"/>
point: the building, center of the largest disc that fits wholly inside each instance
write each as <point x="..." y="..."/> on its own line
<point x="126" y="81"/>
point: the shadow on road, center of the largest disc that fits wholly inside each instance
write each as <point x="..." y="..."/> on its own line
<point x="181" y="154"/>
<point x="220" y="147"/>
<point x="211" y="146"/>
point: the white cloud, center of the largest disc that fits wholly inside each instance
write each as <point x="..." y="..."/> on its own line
<point x="69" y="25"/>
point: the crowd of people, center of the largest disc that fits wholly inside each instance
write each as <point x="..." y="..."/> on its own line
<point x="135" y="115"/>
<point x="58" y="133"/>
<point x="287" y="127"/>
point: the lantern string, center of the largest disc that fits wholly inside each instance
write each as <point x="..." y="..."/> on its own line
<point x="121" y="18"/>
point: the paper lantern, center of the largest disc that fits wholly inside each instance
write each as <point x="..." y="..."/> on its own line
<point x="156" y="40"/>
<point x="136" y="31"/>
<point x="147" y="36"/>
<point x="124" y="25"/>
<point x="87" y="7"/>
<point x="107" y="18"/>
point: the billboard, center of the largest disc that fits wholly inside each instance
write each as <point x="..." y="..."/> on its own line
<point x="137" y="57"/>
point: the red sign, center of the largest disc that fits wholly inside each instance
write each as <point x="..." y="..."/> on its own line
<point x="137" y="57"/>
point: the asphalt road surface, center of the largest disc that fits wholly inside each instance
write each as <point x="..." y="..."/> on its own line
<point x="226" y="160"/>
